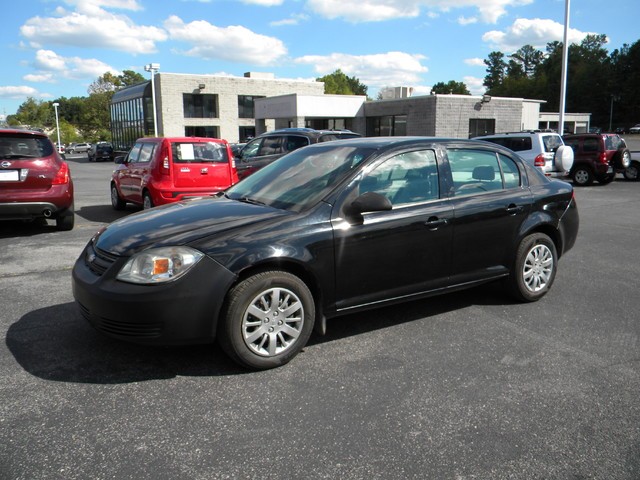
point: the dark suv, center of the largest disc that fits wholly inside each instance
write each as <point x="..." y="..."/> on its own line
<point x="35" y="182"/>
<point x="100" y="151"/>
<point x="272" y="145"/>
<point x="597" y="157"/>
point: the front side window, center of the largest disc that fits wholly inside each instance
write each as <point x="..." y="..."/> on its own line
<point x="200" y="105"/>
<point x="407" y="178"/>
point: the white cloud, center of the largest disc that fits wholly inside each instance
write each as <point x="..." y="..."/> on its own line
<point x="52" y="67"/>
<point x="264" y="3"/>
<point x="234" y="43"/>
<point x="292" y="20"/>
<point x="474" y="62"/>
<point x="92" y="26"/>
<point x="535" y="31"/>
<point x="19" y="92"/>
<point x="378" y="70"/>
<point x="377" y="10"/>
<point x="467" y="20"/>
<point x="474" y="85"/>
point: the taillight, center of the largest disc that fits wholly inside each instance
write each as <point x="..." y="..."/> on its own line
<point x="603" y="158"/>
<point x="62" y="176"/>
<point x="539" y="161"/>
<point x="165" y="166"/>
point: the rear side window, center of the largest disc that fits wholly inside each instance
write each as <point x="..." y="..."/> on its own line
<point x="293" y="142"/>
<point x="199" y="152"/>
<point x="516" y="144"/>
<point x="476" y="171"/>
<point x="146" y="152"/>
<point x="591" y="145"/>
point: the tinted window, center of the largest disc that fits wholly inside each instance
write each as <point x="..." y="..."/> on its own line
<point x="199" y="152"/>
<point x="516" y="144"/>
<point x="474" y="171"/>
<point x="200" y="106"/>
<point x="293" y="142"/>
<point x="590" y="144"/>
<point x="407" y="178"/>
<point x="328" y="137"/>
<point x="17" y="146"/>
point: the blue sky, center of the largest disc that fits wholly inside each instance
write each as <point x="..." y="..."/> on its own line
<point x="54" y="48"/>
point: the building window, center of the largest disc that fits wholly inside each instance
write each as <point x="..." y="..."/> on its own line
<point x="207" y="132"/>
<point x="481" y="126"/>
<point x="246" y="106"/>
<point x="246" y="133"/>
<point x="200" y="106"/>
<point x="387" y="126"/>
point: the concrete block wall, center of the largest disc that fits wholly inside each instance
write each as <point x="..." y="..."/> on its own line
<point x="454" y="111"/>
<point x="420" y="112"/>
<point x="170" y="88"/>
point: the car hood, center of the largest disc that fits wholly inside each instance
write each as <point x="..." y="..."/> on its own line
<point x="180" y="223"/>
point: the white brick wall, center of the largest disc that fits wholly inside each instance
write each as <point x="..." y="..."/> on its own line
<point x="171" y="86"/>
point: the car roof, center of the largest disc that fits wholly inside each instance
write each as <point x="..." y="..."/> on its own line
<point x="307" y="132"/>
<point x="384" y="143"/>
<point x="181" y="139"/>
<point x="14" y="131"/>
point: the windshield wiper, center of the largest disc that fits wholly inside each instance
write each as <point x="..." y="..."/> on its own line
<point x="250" y="200"/>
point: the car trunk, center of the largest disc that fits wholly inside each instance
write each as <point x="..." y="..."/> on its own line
<point x="28" y="174"/>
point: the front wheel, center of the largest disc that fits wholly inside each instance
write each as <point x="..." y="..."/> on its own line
<point x="534" y="268"/>
<point x="631" y="172"/>
<point x="267" y="320"/>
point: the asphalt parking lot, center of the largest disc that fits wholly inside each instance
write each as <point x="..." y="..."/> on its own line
<point x="464" y="386"/>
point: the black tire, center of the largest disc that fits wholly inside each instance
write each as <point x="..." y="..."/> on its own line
<point x="582" y="176"/>
<point x="257" y="333"/>
<point x="606" y="179"/>
<point x="633" y="172"/>
<point x="66" y="222"/>
<point x="116" y="201"/>
<point x="623" y="159"/>
<point x="147" y="202"/>
<point x="534" y="268"/>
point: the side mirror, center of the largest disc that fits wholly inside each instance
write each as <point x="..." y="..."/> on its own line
<point x="367" y="202"/>
<point x="119" y="160"/>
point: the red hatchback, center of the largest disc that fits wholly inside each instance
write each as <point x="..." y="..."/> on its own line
<point x="158" y="171"/>
<point x="35" y="182"/>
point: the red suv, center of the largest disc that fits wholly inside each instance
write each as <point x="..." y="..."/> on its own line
<point x="35" y="182"/>
<point x="597" y="156"/>
<point x="164" y="170"/>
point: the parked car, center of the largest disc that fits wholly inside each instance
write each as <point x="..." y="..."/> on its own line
<point x="166" y="170"/>
<point x="78" y="147"/>
<point x="544" y="150"/>
<point x="597" y="156"/>
<point x="635" y="129"/>
<point x="326" y="230"/>
<point x="270" y="146"/>
<point x="101" y="151"/>
<point x="35" y="181"/>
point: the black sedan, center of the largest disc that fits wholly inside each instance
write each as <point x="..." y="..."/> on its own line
<point x="329" y="229"/>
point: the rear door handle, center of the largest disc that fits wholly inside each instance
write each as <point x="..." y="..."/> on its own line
<point x="434" y="222"/>
<point x="514" y="209"/>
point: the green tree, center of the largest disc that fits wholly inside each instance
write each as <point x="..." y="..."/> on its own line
<point x="35" y="113"/>
<point x="338" y="83"/>
<point x="452" y="87"/>
<point x="496" y="67"/>
<point x="529" y="58"/>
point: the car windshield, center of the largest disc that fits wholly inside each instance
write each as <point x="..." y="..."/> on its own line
<point x="300" y="179"/>
<point x="18" y="146"/>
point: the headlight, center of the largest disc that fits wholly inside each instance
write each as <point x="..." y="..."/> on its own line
<point x="159" y="265"/>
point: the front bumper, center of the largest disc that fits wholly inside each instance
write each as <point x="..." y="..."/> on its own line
<point x="183" y="311"/>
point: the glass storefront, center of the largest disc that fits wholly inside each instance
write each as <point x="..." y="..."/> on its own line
<point x="131" y="115"/>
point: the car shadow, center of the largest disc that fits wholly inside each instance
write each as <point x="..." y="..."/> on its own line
<point x="55" y="343"/>
<point x="105" y="213"/>
<point x="26" y="228"/>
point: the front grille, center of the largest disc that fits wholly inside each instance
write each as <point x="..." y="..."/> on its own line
<point x="98" y="260"/>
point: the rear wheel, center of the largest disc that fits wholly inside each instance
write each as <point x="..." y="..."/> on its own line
<point x="116" y="202"/>
<point x="147" y="202"/>
<point x="582" y="176"/>
<point x="267" y="320"/>
<point x="66" y="222"/>
<point x="534" y="269"/>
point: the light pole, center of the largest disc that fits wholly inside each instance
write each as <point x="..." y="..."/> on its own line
<point x="613" y="97"/>
<point x="153" y="68"/>
<point x="55" y="107"/>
